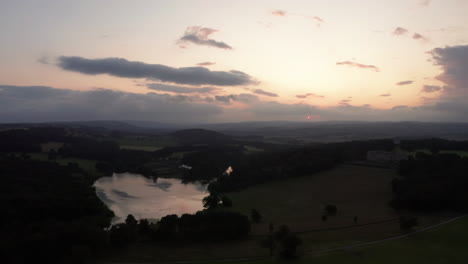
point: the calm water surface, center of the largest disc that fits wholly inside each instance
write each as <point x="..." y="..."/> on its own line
<point x="127" y="193"/>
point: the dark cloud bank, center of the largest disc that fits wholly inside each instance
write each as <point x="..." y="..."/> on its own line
<point x="134" y="69"/>
<point x="180" y="89"/>
<point x="39" y="103"/>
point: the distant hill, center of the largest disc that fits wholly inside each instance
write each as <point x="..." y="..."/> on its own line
<point x="200" y="136"/>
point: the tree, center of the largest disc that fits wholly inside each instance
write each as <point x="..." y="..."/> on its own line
<point x="407" y="223"/>
<point x="281" y="232"/>
<point x="131" y="221"/>
<point x="287" y="241"/>
<point x="211" y="201"/>
<point x="52" y="154"/>
<point x="256" y="216"/>
<point x="121" y="235"/>
<point x="227" y="202"/>
<point x="269" y="242"/>
<point x="289" y="245"/>
<point x="271" y="227"/>
<point x="143" y="227"/>
<point x="331" y="209"/>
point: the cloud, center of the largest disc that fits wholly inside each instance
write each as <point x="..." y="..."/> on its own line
<point x="399" y="107"/>
<point x="302" y="96"/>
<point x="206" y="63"/>
<point x="404" y="83"/>
<point x="46" y="104"/>
<point x="277" y="110"/>
<point x="386" y="95"/>
<point x="345" y="102"/>
<point x="279" y="13"/>
<point x="243" y="98"/>
<point x="400" y="31"/>
<point x="180" y="89"/>
<point x="283" y="13"/>
<point x="359" y="65"/>
<point x="453" y="61"/>
<point x="425" y="2"/>
<point x="134" y="69"/>
<point x="431" y="89"/>
<point x="318" y="19"/>
<point x="263" y="92"/>
<point x="200" y="36"/>
<point x="418" y="36"/>
<point x="43" y="60"/>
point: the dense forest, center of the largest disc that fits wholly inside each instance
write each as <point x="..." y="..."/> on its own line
<point x="432" y="182"/>
<point x="50" y="212"/>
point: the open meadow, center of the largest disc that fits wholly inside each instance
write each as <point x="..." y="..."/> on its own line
<point x="299" y="203"/>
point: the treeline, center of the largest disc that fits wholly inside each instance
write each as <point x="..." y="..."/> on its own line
<point x="432" y="183"/>
<point x="49" y="212"/>
<point x="211" y="162"/>
<point x="357" y="150"/>
<point x="206" y="225"/>
<point x="270" y="166"/>
<point x="108" y="154"/>
<point x="29" y="140"/>
<point x="433" y="144"/>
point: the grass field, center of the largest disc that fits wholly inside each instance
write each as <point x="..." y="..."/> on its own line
<point x="445" y="244"/>
<point x="87" y="165"/>
<point x="150" y="141"/>
<point x="298" y="202"/>
<point x="356" y="191"/>
<point x="46" y="147"/>
<point x="252" y="149"/>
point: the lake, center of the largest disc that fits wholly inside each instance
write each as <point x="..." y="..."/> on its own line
<point x="128" y="193"/>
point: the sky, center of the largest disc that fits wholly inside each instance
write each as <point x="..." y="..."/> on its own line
<point x="230" y="61"/>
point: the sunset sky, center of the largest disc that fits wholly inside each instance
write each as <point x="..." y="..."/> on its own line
<point x="229" y="61"/>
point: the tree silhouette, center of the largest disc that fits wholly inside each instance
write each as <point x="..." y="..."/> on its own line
<point x="256" y="216"/>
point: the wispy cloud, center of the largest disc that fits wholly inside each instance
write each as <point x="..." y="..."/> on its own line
<point x="318" y="19"/>
<point x="263" y="92"/>
<point x="200" y="36"/>
<point x="345" y="102"/>
<point x="386" y="95"/>
<point x="134" y="69"/>
<point x="400" y="31"/>
<point x="279" y="13"/>
<point x="206" y="63"/>
<point x="404" y="83"/>
<point x="418" y="36"/>
<point x="302" y="96"/>
<point x="283" y="13"/>
<point x="425" y="2"/>
<point x="431" y="88"/>
<point x="358" y="65"/>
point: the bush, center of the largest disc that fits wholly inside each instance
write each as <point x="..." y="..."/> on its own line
<point x="226" y="201"/>
<point x="407" y="223"/>
<point x="331" y="210"/>
<point x="256" y="216"/>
